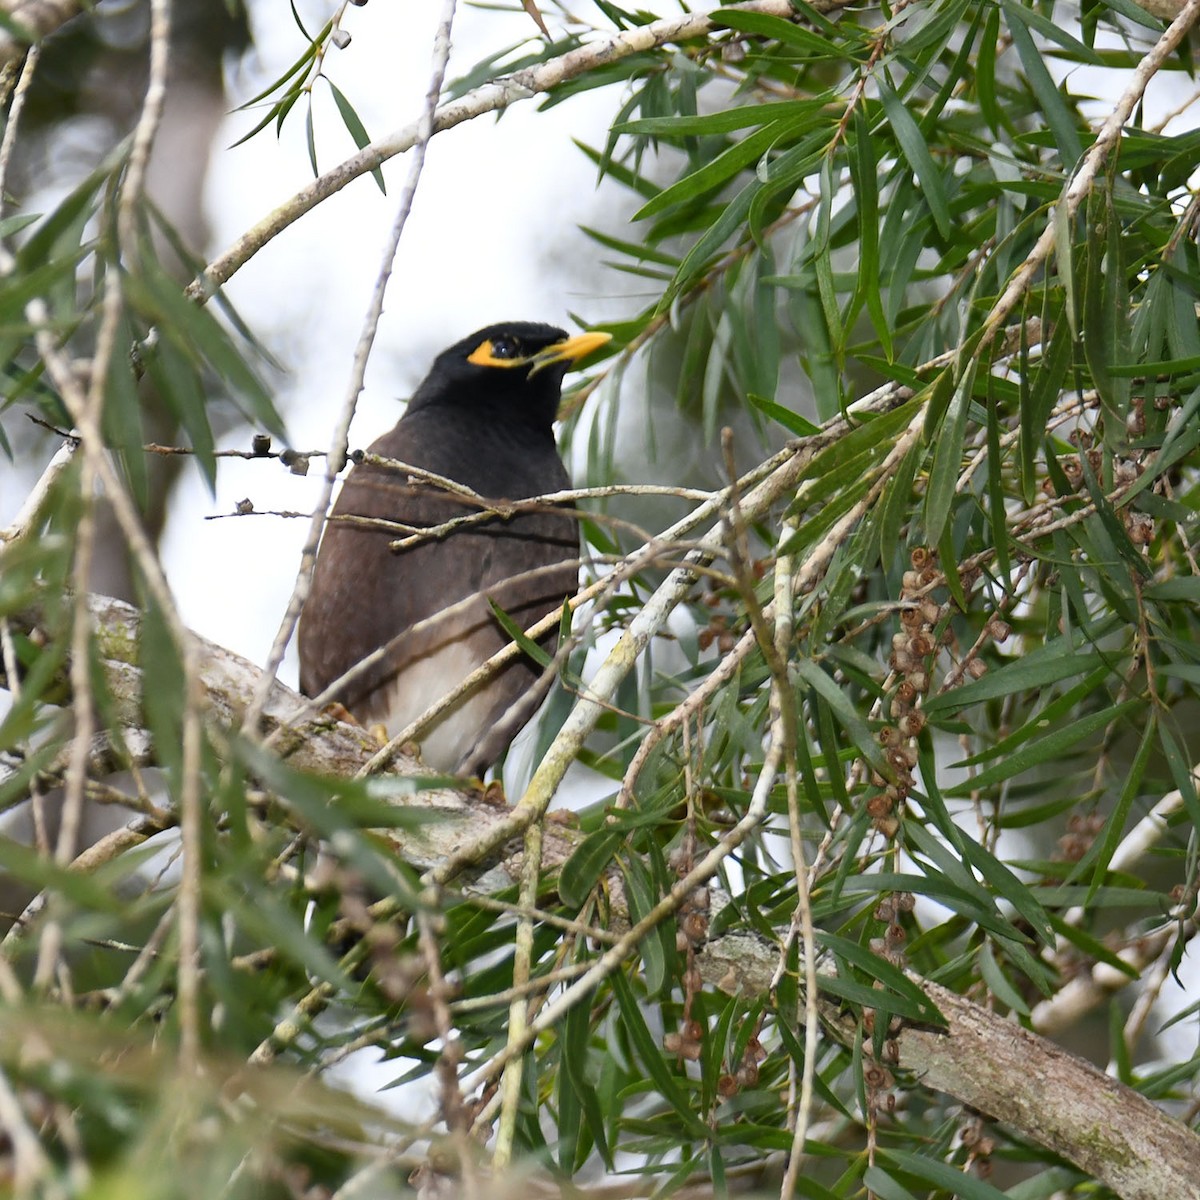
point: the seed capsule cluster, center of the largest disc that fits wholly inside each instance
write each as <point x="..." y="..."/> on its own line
<point x="1125" y="471"/>
<point x="890" y="910"/>
<point x="914" y="649"/>
<point x="691" y="932"/>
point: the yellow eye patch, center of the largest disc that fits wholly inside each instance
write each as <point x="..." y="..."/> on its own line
<point x="484" y="355"/>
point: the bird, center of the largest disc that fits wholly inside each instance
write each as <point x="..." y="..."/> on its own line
<point x="484" y="419"/>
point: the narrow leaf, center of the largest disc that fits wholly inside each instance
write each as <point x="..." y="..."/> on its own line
<point x="355" y="128"/>
<point x="916" y="150"/>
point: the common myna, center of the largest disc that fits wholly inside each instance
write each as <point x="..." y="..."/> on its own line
<point x="483" y="418"/>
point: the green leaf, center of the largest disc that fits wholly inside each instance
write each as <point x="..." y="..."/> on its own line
<point x="847" y="715"/>
<point x="916" y="150"/>
<point x="298" y="67"/>
<point x="516" y="634"/>
<point x="1183" y="587"/>
<point x="864" y="174"/>
<point x="1057" y="33"/>
<point x="716" y="1049"/>
<point x="793" y="422"/>
<point x="999" y="984"/>
<point x="1055" y="661"/>
<point x="162" y="678"/>
<point x="1040" y="398"/>
<point x="355" y="128"/>
<point x="985" y="70"/>
<point x="787" y="33"/>
<point x="642" y="896"/>
<point x="199" y="336"/>
<point x="635" y="250"/>
<point x="622" y="174"/>
<point x="947" y="457"/>
<point x="310" y="136"/>
<point x="822" y="258"/>
<point x="61" y="230"/>
<point x="581" y="871"/>
<point x="1092" y="947"/>
<point x="727" y="120"/>
<point x="896" y="507"/>
<point x="714" y="172"/>
<point x="884" y="1186"/>
<point x="713" y="239"/>
<point x="121" y="419"/>
<point x="973" y="904"/>
<point x="996" y="509"/>
<point x="1181" y="771"/>
<point x="1050" y="99"/>
<point x="651" y="1056"/>
<point x="1116" y="536"/>
<point x="1106" y="312"/>
<point x="574" y="1090"/>
<point x="942" y="1175"/>
<point x="1045" y="750"/>
<point x="178" y="382"/>
<point x="917" y="1005"/>
<point x="13" y="225"/>
<point x="1009" y="887"/>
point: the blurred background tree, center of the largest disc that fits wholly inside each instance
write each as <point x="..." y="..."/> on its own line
<point x="889" y="703"/>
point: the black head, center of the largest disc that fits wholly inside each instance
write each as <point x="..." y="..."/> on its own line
<point x="514" y="370"/>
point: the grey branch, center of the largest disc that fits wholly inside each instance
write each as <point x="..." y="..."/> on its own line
<point x="39" y="18"/>
<point x="1062" y="1102"/>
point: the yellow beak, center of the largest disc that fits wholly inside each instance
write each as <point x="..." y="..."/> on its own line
<point x="571" y="350"/>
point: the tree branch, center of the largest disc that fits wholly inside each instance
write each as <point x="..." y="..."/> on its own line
<point x="1108" y="1130"/>
<point x="39" y="18"/>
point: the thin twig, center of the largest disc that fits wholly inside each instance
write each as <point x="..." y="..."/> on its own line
<point x="82" y="710"/>
<point x="340" y="440"/>
<point x="783" y="710"/>
<point x="518" y="1011"/>
<point x="287" y="455"/>
<point x="12" y="124"/>
<point x="454" y="1109"/>
<point x="28" y="518"/>
<point x="542" y="917"/>
<point x="531" y="987"/>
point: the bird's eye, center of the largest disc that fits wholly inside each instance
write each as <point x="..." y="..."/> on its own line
<point x="501" y="351"/>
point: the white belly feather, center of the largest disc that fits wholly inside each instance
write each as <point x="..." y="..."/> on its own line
<point x="423" y="684"/>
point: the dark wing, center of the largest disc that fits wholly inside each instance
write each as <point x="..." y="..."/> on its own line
<point x="364" y="595"/>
